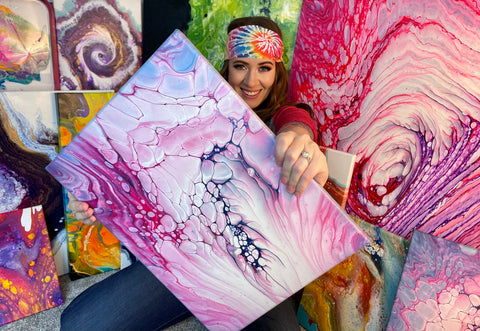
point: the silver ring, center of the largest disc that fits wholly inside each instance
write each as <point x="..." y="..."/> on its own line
<point x="306" y="155"/>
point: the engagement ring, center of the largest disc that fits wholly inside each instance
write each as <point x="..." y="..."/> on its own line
<point x="306" y="155"/>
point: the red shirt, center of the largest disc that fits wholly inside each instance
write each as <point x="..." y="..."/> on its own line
<point x="287" y="114"/>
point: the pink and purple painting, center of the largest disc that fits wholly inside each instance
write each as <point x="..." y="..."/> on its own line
<point x="397" y="84"/>
<point x="183" y="174"/>
<point x="99" y="42"/>
<point x="439" y="288"/>
<point x="27" y="33"/>
<point x="28" y="278"/>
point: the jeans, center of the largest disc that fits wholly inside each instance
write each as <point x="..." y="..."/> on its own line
<point x="134" y="299"/>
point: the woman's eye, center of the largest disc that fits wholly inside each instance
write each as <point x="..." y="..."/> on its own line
<point x="265" y="68"/>
<point x="239" y="66"/>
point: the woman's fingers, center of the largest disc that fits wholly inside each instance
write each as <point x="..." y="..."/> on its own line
<point x="301" y="160"/>
<point x="81" y="211"/>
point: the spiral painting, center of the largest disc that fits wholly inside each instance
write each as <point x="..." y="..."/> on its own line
<point x="183" y="173"/>
<point x="398" y="85"/>
<point x="99" y="42"/>
<point x="28" y="278"/>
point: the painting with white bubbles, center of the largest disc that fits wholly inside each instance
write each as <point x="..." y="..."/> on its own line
<point x="397" y="84"/>
<point x="188" y="182"/>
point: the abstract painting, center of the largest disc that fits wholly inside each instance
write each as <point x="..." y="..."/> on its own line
<point x="439" y="288"/>
<point x="99" y="42"/>
<point x="357" y="294"/>
<point x="397" y="84"/>
<point x="182" y="172"/>
<point x="28" y="141"/>
<point x="27" y="33"/>
<point x="28" y="278"/>
<point x="208" y="27"/>
<point x="340" y="170"/>
<point x="92" y="249"/>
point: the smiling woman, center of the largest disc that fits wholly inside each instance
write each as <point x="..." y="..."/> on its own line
<point x="254" y="69"/>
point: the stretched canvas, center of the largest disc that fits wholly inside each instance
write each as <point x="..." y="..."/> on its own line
<point x="28" y="278"/>
<point x="357" y="294"/>
<point x="340" y="170"/>
<point x="182" y="172"/>
<point x="27" y="38"/>
<point x="92" y="249"/>
<point x="397" y="84"/>
<point x="28" y="141"/>
<point x="439" y="288"/>
<point x="99" y="42"/>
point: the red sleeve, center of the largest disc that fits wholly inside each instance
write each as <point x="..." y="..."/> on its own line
<point x="287" y="114"/>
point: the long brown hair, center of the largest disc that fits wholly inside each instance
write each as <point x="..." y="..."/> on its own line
<point x="278" y="94"/>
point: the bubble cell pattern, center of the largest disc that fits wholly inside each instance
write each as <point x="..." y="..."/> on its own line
<point x="182" y="172"/>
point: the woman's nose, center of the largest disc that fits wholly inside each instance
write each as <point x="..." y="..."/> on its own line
<point x="251" y="78"/>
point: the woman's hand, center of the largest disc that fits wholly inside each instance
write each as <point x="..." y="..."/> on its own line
<point x="299" y="168"/>
<point x="82" y="211"/>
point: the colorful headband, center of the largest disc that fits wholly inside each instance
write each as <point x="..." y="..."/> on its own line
<point x="254" y="41"/>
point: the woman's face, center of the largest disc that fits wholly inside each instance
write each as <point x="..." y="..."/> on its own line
<point x="252" y="79"/>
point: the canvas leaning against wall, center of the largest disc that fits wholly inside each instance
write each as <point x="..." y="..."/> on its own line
<point x="28" y="278"/>
<point x="189" y="184"/>
<point x="92" y="249"/>
<point x="99" y="42"/>
<point x="27" y="43"/>
<point x="28" y="140"/>
<point x="397" y="84"/>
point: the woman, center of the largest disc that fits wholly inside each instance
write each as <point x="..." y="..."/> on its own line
<point x="133" y="299"/>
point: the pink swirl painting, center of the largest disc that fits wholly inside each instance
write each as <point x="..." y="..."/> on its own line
<point x="439" y="288"/>
<point x="397" y="83"/>
<point x="182" y="172"/>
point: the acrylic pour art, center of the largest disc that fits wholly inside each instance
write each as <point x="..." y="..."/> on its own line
<point x="188" y="188"/>
<point x="398" y="85"/>
<point x="26" y="58"/>
<point x="99" y="42"/>
<point x="92" y="249"/>
<point x="439" y="288"/>
<point x="28" y="141"/>
<point x="28" y="278"/>
<point x="357" y="294"/>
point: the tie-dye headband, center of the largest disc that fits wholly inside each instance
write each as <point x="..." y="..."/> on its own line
<point x="254" y="41"/>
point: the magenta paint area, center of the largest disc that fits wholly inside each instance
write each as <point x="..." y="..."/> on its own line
<point x="396" y="84"/>
<point x="189" y="184"/>
<point x="28" y="278"/>
<point x="439" y="288"/>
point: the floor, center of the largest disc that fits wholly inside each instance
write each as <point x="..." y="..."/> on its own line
<point x="49" y="320"/>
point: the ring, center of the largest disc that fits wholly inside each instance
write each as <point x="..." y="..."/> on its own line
<point x="306" y="155"/>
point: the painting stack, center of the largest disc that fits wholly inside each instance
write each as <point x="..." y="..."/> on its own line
<point x="119" y="103"/>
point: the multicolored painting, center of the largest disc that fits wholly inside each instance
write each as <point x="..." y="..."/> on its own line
<point x="340" y="170"/>
<point x="28" y="278"/>
<point x="99" y="41"/>
<point x="28" y="141"/>
<point x="398" y="85"/>
<point x="92" y="249"/>
<point x="208" y="27"/>
<point x="439" y="288"/>
<point x="27" y="33"/>
<point x="182" y="172"/>
<point x="357" y="294"/>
